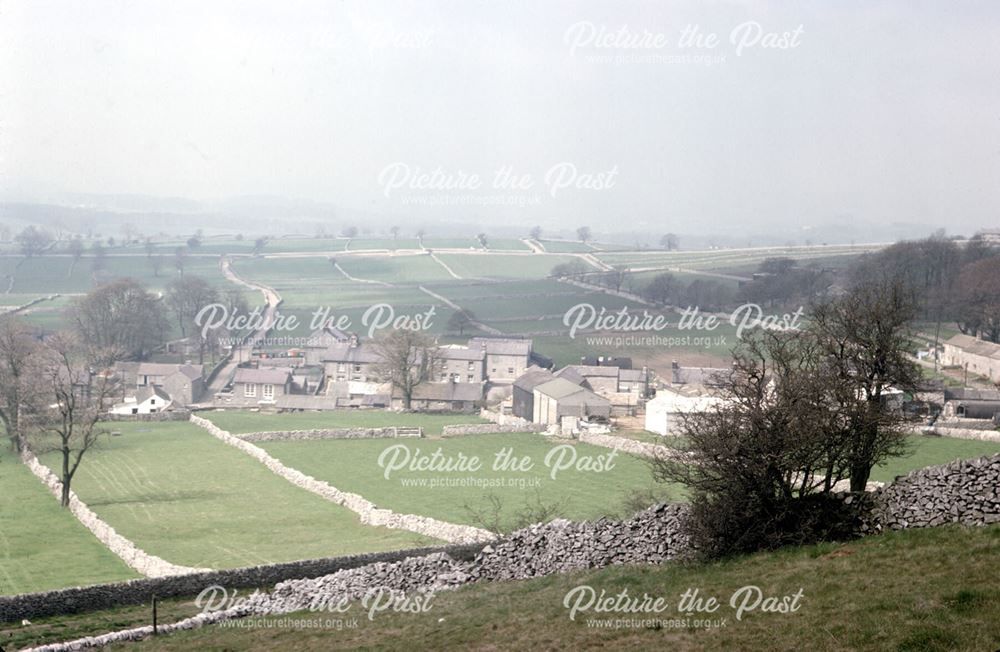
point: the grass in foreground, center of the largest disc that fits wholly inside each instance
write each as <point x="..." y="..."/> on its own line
<point x="921" y="590"/>
<point x="181" y="494"/>
<point x="243" y="421"/>
<point x="353" y="465"/>
<point x="42" y="546"/>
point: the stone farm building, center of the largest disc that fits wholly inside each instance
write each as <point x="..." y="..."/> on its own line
<point x="253" y="387"/>
<point x="974" y="355"/>
<point x="560" y="398"/>
<point x="184" y="383"/>
<point x="146" y="400"/>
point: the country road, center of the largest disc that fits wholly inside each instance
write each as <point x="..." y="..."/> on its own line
<point x="244" y="351"/>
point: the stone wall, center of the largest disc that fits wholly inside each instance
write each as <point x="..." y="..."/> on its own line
<point x="488" y="428"/>
<point x="626" y="445"/>
<point x="169" y="415"/>
<point x="650" y="537"/>
<point x="107" y="596"/>
<point x="332" y="433"/>
<point x="965" y="491"/>
<point x="960" y="430"/>
<point x="136" y="558"/>
<point x="369" y="513"/>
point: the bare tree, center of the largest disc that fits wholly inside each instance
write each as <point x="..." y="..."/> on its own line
<point x="33" y="241"/>
<point x="186" y="297"/>
<point x="180" y="257"/>
<point x="670" y="241"/>
<point x="535" y="233"/>
<point x="865" y="335"/>
<point x="75" y="249"/>
<point x="583" y="234"/>
<point x="118" y="320"/>
<point x="461" y="320"/>
<point x="407" y="358"/>
<point x="19" y="376"/>
<point x="71" y="423"/>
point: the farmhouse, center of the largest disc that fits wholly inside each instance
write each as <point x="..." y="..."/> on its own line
<point x="461" y="364"/>
<point x="350" y="361"/>
<point x="666" y="411"/>
<point x="455" y="397"/>
<point x="523" y="395"/>
<point x="146" y="400"/>
<point x="506" y="358"/>
<point x="322" y="339"/>
<point x="261" y="386"/>
<point x="560" y="398"/>
<point x="184" y="383"/>
<point x="974" y="355"/>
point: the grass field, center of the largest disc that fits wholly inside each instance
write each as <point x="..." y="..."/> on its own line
<point x="42" y="545"/>
<point x="502" y="265"/>
<point x="353" y="465"/>
<point x="931" y="451"/>
<point x="243" y="421"/>
<point x="182" y="495"/>
<point x="937" y="591"/>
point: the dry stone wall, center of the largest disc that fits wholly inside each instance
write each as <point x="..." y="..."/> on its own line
<point x="330" y="433"/>
<point x="137" y="559"/>
<point x="369" y="513"/>
<point x="626" y="445"/>
<point x="488" y="428"/>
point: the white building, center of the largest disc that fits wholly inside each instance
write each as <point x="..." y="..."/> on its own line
<point x="147" y="400"/>
<point x="665" y="412"/>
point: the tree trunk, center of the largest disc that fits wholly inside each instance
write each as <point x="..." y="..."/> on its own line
<point x="859" y="477"/>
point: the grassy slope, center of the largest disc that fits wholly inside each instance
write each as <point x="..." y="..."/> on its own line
<point x="242" y="421"/>
<point x="42" y="546"/>
<point x="353" y="466"/>
<point x="187" y="497"/>
<point x="922" y="590"/>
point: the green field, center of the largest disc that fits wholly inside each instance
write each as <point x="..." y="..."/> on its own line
<point x="181" y="494"/>
<point x="42" y="545"/>
<point x="399" y="269"/>
<point x="243" y="421"/>
<point x="932" y="590"/>
<point x="353" y="465"/>
<point x="502" y="265"/>
<point x="930" y="451"/>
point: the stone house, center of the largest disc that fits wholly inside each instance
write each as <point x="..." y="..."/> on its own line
<point x="506" y="358"/>
<point x="460" y="364"/>
<point x="974" y="355"/>
<point x="350" y="361"/>
<point x="452" y="397"/>
<point x="971" y="404"/>
<point x="260" y="386"/>
<point x="184" y="383"/>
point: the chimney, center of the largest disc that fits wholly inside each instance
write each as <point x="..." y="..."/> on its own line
<point x="674" y="364"/>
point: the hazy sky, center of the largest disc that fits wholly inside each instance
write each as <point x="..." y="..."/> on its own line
<point x="881" y="112"/>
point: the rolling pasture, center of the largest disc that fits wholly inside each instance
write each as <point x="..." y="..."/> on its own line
<point x="181" y="494"/>
<point x="43" y="546"/>
<point x="353" y="465"/>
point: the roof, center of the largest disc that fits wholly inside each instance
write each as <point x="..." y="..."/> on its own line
<point x="986" y="395"/>
<point x="594" y="370"/>
<point x="192" y="371"/>
<point x="446" y="392"/>
<point x="460" y="353"/>
<point x="275" y="376"/>
<point x="532" y="378"/>
<point x="346" y="352"/>
<point x="320" y="336"/>
<point x="698" y="375"/>
<point x="633" y="375"/>
<point x="502" y="346"/>
<point x="559" y="388"/>
<point x="572" y="375"/>
<point x="975" y="346"/>
<point x="145" y="393"/>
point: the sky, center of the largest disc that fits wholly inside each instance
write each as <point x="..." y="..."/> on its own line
<point x="801" y="114"/>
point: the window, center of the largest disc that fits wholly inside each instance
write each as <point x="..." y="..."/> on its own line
<point x="510" y="371"/>
<point x="357" y="367"/>
<point x="152" y="401"/>
<point x="268" y="391"/>
<point x="135" y="410"/>
<point x="472" y="366"/>
<point x="250" y="390"/>
<point x="341" y="366"/>
<point x="471" y="378"/>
